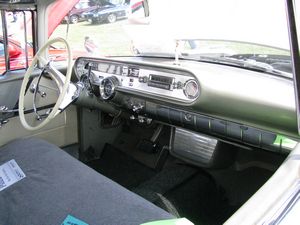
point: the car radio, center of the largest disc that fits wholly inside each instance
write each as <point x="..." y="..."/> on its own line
<point x="161" y="82"/>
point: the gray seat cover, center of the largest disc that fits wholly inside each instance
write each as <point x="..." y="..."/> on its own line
<point x="57" y="185"/>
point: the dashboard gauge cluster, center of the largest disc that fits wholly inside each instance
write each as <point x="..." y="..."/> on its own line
<point x="111" y="76"/>
<point x="81" y="68"/>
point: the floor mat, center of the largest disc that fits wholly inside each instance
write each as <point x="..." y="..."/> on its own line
<point x="199" y="199"/>
<point x="240" y="185"/>
<point x="164" y="181"/>
<point x="184" y="191"/>
<point x="121" y="168"/>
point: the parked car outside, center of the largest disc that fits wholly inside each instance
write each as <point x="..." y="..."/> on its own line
<point x="109" y="13"/>
<point x="75" y="15"/>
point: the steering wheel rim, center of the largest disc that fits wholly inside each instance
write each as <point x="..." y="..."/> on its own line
<point x="64" y="88"/>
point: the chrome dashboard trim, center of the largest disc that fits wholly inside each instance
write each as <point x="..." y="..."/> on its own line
<point x="134" y="84"/>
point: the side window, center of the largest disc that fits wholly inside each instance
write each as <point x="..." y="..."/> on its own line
<point x="16" y="40"/>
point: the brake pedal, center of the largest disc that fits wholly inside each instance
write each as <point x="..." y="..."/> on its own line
<point x="151" y="146"/>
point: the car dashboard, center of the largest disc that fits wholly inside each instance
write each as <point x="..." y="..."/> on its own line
<point x="237" y="105"/>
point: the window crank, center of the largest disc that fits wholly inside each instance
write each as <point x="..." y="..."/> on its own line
<point x="3" y="122"/>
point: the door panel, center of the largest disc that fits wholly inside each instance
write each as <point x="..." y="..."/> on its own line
<point x="60" y="131"/>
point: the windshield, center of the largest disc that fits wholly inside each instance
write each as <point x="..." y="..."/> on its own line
<point x="224" y="31"/>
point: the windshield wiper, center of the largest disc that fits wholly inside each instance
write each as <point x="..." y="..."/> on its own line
<point x="266" y="58"/>
<point x="251" y="64"/>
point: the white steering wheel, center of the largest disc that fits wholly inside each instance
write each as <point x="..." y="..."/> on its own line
<point x="62" y="82"/>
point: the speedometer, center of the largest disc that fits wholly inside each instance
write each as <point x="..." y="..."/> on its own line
<point x="191" y="89"/>
<point x="107" y="87"/>
<point x="81" y="68"/>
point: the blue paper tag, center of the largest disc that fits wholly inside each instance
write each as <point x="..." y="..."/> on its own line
<point x="71" y="220"/>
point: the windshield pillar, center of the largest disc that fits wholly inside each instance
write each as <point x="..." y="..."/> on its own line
<point x="295" y="57"/>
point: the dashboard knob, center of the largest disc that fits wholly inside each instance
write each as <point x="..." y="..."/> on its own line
<point x="107" y="87"/>
<point x="143" y="79"/>
<point x="137" y="108"/>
